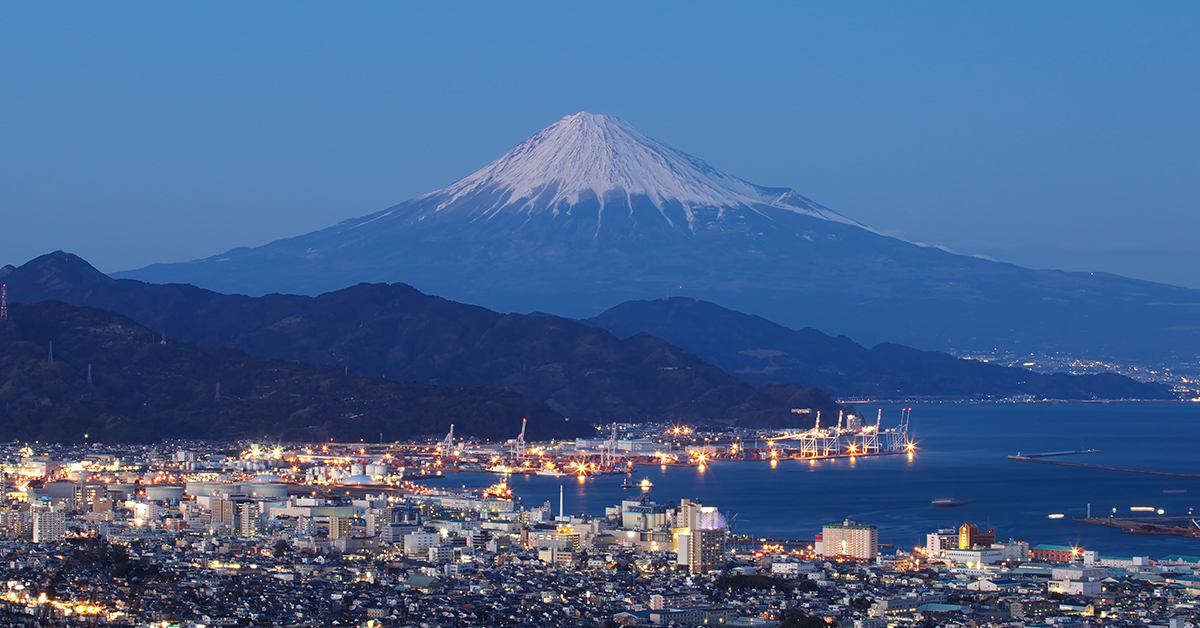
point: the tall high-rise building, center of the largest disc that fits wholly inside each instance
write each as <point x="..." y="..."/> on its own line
<point x="223" y="512"/>
<point x="93" y="493"/>
<point x="305" y="526"/>
<point x="339" y="527"/>
<point x="15" y="524"/>
<point x="699" y="537"/>
<point x="248" y="518"/>
<point x="379" y="518"/>
<point x="970" y="536"/>
<point x="850" y="540"/>
<point x="240" y="515"/>
<point x="49" y="525"/>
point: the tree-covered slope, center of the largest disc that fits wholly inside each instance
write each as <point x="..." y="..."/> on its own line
<point x="142" y="390"/>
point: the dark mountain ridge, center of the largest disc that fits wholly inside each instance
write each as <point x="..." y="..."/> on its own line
<point x="142" y="390"/>
<point x="761" y="352"/>
<point x="397" y="332"/>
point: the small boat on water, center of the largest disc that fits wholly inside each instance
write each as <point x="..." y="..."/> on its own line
<point x="554" y="473"/>
<point x="949" y="502"/>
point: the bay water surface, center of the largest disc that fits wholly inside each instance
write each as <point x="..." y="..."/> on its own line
<point x="961" y="455"/>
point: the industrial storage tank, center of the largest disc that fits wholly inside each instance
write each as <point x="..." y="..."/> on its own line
<point x="375" y="470"/>
<point x="359" y="480"/>
<point x="264" y="491"/>
<point x="164" y="493"/>
<point x="211" y="489"/>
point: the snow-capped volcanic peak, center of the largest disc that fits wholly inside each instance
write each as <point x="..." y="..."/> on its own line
<point x="589" y="156"/>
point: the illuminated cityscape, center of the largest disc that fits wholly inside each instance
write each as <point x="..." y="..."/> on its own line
<point x="600" y="315"/>
<point x="191" y="534"/>
<point x="1182" y="376"/>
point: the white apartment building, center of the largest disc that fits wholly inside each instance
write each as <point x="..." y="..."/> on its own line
<point x="49" y="526"/>
<point x="850" y="540"/>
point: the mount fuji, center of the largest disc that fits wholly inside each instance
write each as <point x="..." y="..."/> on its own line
<point x="590" y="212"/>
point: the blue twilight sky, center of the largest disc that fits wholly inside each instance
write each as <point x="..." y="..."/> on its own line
<point x="1054" y="135"/>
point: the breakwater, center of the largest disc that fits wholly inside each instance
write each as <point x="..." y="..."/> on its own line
<point x="1102" y="467"/>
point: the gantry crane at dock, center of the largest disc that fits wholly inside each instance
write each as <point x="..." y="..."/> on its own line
<point x="850" y="437"/>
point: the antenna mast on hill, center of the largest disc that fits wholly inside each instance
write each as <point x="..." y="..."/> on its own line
<point x="3" y="302"/>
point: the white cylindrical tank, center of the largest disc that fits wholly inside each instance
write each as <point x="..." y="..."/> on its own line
<point x="195" y="489"/>
<point x="266" y="491"/>
<point x="164" y="493"/>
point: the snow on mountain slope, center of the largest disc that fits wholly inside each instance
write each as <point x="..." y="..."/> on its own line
<point x="590" y="212"/>
<point x="588" y="157"/>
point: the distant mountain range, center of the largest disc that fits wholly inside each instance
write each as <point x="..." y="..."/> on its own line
<point x="76" y="374"/>
<point x="590" y="213"/>
<point x="395" y="331"/>
<point x="761" y="352"/>
<point x="579" y="370"/>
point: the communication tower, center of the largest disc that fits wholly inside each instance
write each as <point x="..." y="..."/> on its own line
<point x="3" y="302"/>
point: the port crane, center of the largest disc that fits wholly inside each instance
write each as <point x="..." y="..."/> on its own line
<point x="518" y="443"/>
<point x="851" y="437"/>
<point x="608" y="455"/>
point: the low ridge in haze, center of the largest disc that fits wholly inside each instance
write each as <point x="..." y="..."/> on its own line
<point x="761" y="352"/>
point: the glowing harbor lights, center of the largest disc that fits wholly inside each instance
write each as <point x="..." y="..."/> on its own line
<point x="849" y="438"/>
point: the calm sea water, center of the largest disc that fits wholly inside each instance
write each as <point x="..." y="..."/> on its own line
<point x="962" y="450"/>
